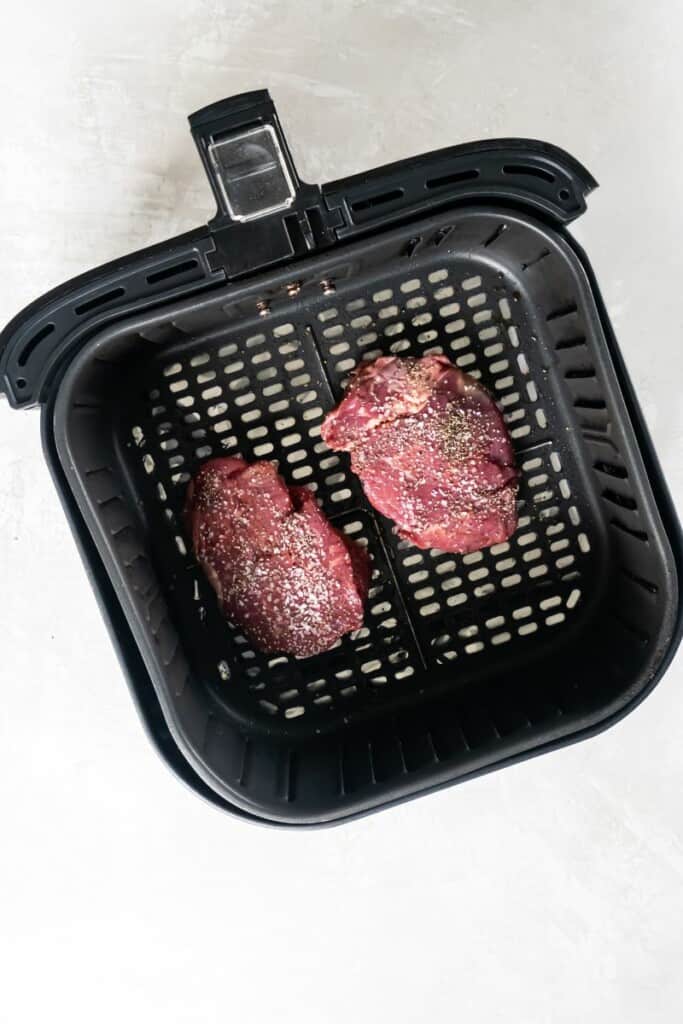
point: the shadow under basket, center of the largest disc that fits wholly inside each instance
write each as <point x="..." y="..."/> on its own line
<point x="464" y="663"/>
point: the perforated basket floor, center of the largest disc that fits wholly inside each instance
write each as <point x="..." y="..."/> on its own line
<point x="506" y="300"/>
<point x="262" y="392"/>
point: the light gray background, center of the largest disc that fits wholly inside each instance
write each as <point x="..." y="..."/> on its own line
<point x="551" y="892"/>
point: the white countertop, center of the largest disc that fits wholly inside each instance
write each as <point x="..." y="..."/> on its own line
<point x="549" y="892"/>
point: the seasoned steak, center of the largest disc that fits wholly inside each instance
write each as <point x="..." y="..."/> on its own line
<point x="432" y="452"/>
<point x="282" y="573"/>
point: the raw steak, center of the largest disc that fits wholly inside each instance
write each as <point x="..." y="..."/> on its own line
<point x="432" y="451"/>
<point x="282" y="573"/>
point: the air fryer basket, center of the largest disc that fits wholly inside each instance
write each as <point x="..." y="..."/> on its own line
<point x="464" y="662"/>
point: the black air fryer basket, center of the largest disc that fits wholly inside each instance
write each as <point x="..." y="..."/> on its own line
<point x="236" y="339"/>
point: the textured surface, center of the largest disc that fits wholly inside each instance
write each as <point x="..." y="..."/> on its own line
<point x="431" y="450"/>
<point x="279" y="569"/>
<point x="551" y="892"/>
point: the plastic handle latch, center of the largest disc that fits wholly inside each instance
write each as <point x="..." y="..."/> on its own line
<point x="245" y="156"/>
<point x="265" y="214"/>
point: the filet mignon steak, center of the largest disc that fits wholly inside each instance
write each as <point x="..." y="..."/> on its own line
<point x="432" y="452"/>
<point x="282" y="573"/>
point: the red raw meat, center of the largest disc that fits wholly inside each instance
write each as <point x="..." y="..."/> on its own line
<point x="432" y="451"/>
<point x="282" y="573"/>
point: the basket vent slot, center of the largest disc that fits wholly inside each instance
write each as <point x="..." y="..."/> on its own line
<point x="636" y="534"/>
<point x="529" y="171"/>
<point x="379" y="199"/>
<point x="99" y="300"/>
<point x="562" y="311"/>
<point x="33" y="344"/>
<point x="452" y="179"/>
<point x="173" y="271"/>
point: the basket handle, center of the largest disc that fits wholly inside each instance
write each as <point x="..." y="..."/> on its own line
<point x="265" y="213"/>
<point x="245" y="156"/>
